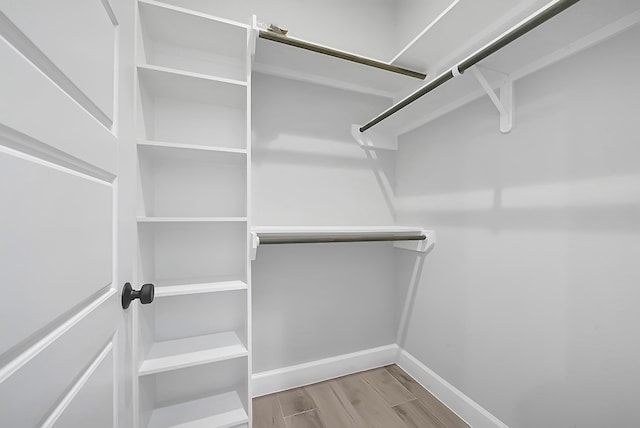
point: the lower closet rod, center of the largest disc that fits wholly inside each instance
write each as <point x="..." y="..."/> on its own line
<point x="311" y="239"/>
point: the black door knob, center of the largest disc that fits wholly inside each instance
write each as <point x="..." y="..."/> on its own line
<point x="145" y="294"/>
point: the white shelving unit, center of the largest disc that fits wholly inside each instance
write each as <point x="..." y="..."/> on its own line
<point x="194" y="340"/>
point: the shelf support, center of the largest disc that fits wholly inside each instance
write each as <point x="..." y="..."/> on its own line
<point x="503" y="102"/>
<point x="373" y="140"/>
<point x="255" y="243"/>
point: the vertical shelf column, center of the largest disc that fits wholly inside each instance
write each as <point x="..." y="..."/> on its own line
<point x="193" y="344"/>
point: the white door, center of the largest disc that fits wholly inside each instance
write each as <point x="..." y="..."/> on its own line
<point x="66" y="216"/>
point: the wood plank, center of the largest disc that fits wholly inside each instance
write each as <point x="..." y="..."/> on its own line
<point x="415" y="415"/>
<point x="308" y="419"/>
<point x="295" y="401"/>
<point x="267" y="412"/>
<point x="333" y="406"/>
<point x="387" y="386"/>
<point x="375" y="412"/>
<point x="428" y="401"/>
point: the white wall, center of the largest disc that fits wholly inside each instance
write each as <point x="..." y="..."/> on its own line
<point x="308" y="170"/>
<point x="529" y="302"/>
<point x="365" y="27"/>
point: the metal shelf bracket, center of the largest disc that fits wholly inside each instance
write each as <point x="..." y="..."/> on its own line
<point x="503" y="102"/>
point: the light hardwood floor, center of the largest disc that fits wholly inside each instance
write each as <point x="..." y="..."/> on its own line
<point x="386" y="397"/>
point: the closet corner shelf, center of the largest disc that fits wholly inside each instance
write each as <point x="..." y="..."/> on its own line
<point x="222" y="410"/>
<point x="198" y="288"/>
<point x="142" y="219"/>
<point x="181" y="353"/>
<point x="298" y="59"/>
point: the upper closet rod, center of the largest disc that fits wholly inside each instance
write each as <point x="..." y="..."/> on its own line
<point x="312" y="239"/>
<point x="339" y="54"/>
<point x="542" y="16"/>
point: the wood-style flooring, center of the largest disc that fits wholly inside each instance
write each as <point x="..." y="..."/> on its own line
<point x="386" y="397"/>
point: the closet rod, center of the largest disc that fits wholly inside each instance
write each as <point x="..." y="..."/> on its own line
<point x="544" y="15"/>
<point x="312" y="239"/>
<point x="268" y="35"/>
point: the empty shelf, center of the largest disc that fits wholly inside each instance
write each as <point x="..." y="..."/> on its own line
<point x="192" y="351"/>
<point x="221" y="411"/>
<point x="159" y="148"/>
<point x="198" y="288"/>
<point x="190" y="219"/>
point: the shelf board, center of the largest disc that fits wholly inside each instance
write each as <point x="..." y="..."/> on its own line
<point x="223" y="411"/>
<point x="292" y="62"/>
<point x="332" y="230"/>
<point x="191" y="74"/>
<point x="169" y="83"/>
<point x="180" y="353"/>
<point x="198" y="288"/>
<point x="192" y="30"/>
<point x="170" y="147"/>
<point x="192" y="153"/>
<point x="454" y="40"/>
<point x="191" y="219"/>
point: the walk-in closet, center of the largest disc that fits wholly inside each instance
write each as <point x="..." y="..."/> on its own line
<point x="335" y="214"/>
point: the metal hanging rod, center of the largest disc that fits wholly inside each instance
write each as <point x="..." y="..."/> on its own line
<point x="542" y="16"/>
<point x="268" y="35"/>
<point x="314" y="238"/>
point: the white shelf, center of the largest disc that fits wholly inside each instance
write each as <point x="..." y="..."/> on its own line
<point x="170" y="83"/>
<point x="188" y="40"/>
<point x="457" y="35"/>
<point x="191" y="219"/>
<point x="172" y="148"/>
<point x="300" y="64"/>
<point x="192" y="351"/>
<point x="332" y="230"/>
<point x="198" y="288"/>
<point x="220" y="411"/>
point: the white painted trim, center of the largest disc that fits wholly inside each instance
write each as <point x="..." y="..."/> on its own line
<point x="317" y="371"/>
<point x="467" y="409"/>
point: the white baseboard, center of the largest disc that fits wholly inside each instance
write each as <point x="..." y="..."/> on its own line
<point x="470" y="411"/>
<point x="316" y="371"/>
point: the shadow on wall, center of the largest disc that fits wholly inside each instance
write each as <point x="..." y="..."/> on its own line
<point x="569" y="173"/>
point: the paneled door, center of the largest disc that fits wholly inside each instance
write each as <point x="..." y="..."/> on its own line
<point x="67" y="231"/>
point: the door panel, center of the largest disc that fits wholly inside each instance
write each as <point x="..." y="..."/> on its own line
<point x="83" y="46"/>
<point x="38" y="380"/>
<point x="51" y="119"/>
<point x="90" y="403"/>
<point x="66" y="95"/>
<point x="57" y="243"/>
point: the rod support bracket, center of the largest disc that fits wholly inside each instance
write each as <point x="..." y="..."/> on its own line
<point x="503" y="101"/>
<point x="255" y="243"/>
